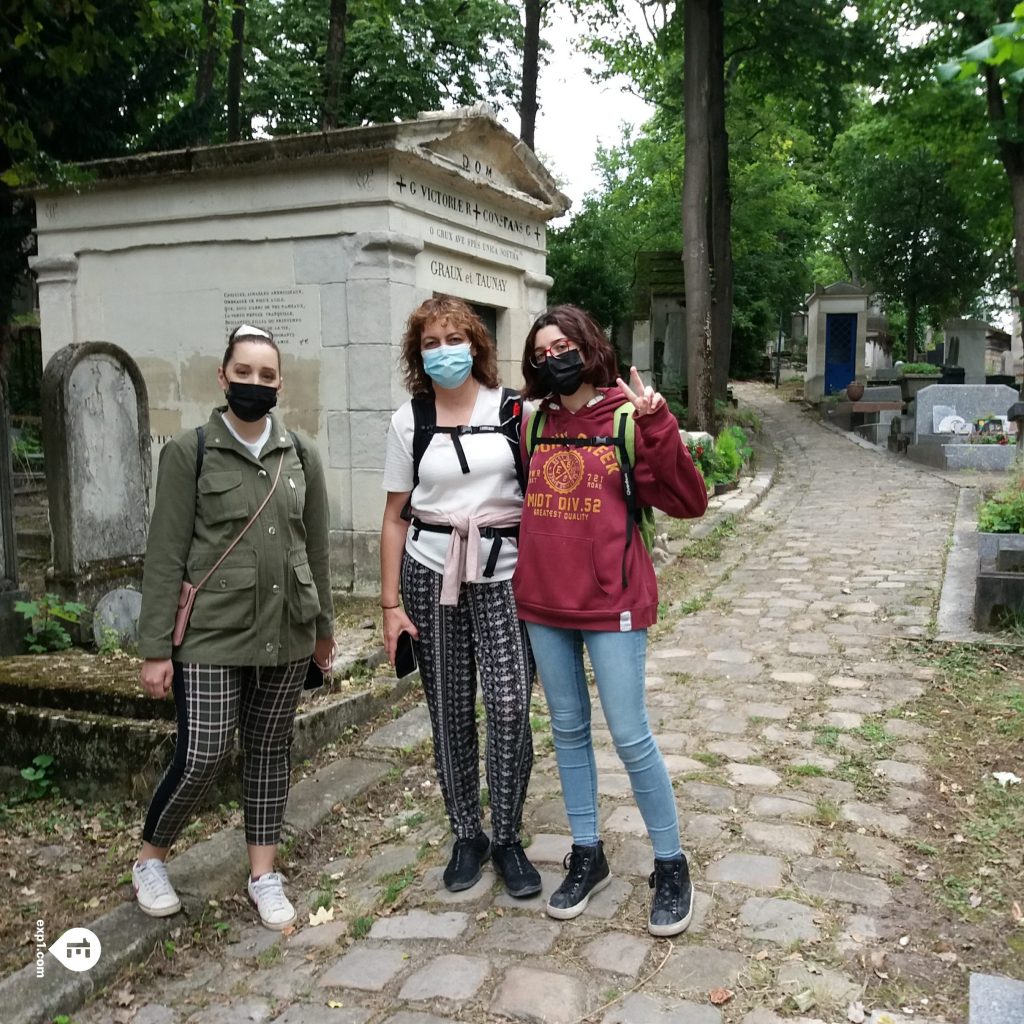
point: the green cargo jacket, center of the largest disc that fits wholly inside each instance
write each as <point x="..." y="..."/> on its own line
<point x="270" y="599"/>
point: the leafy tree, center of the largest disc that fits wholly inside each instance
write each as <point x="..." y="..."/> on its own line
<point x="999" y="60"/>
<point x="905" y="230"/>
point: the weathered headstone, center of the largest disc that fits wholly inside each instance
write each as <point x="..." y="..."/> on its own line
<point x="117" y="617"/>
<point x="12" y="625"/>
<point x="96" y="440"/>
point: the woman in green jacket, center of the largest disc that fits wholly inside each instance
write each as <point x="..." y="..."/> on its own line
<point x="256" y="620"/>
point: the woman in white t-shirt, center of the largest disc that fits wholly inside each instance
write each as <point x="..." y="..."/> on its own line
<point x="448" y="543"/>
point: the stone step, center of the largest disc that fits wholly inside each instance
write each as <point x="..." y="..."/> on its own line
<point x="33" y="543"/>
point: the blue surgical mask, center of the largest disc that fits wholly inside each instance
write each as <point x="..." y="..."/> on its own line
<point x="448" y="365"/>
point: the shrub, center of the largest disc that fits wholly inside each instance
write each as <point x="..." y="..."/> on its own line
<point x="46" y="617"/>
<point x="929" y="368"/>
<point x="1004" y="511"/>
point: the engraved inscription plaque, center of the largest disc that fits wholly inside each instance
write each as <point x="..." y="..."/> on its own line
<point x="292" y="314"/>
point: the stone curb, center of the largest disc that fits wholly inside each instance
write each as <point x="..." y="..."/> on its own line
<point x="204" y="871"/>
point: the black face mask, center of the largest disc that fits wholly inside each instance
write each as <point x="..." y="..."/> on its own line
<point x="562" y="374"/>
<point x="250" y="402"/>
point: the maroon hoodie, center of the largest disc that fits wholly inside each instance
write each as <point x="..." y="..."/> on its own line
<point x="573" y="533"/>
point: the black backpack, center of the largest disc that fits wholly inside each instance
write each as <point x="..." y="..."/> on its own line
<point x="424" y="416"/>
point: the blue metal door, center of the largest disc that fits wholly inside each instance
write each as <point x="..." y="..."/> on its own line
<point x="840" y="350"/>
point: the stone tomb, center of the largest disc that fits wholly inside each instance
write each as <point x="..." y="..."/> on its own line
<point x="937" y="404"/>
<point x="330" y="240"/>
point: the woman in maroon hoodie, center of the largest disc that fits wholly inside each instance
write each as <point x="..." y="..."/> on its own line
<point x="585" y="577"/>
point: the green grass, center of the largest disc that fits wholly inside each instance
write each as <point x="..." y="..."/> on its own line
<point x="805" y="770"/>
<point x="361" y="927"/>
<point x="324" y="895"/>
<point x="827" y="736"/>
<point x="395" y="885"/>
<point x="826" y="811"/>
<point x="707" y="758"/>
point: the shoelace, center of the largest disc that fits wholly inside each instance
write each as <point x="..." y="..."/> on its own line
<point x="576" y="865"/>
<point x="268" y="890"/>
<point x="153" y="878"/>
<point x="662" y="880"/>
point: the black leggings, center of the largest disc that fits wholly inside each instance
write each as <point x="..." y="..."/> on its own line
<point x="481" y="631"/>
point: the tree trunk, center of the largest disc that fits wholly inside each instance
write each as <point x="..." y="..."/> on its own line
<point x="333" y="61"/>
<point x="912" y="310"/>
<point x="534" y="10"/>
<point x="235" y="70"/>
<point x="207" y="52"/>
<point x="696" y="187"/>
<point x="720" y="237"/>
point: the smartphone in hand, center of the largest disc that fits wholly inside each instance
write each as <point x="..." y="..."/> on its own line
<point x="406" y="661"/>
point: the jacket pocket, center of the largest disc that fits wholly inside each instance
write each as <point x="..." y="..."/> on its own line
<point x="540" y="584"/>
<point x="303" y="599"/>
<point x="296" y="485"/>
<point x="222" y="497"/>
<point x="227" y="600"/>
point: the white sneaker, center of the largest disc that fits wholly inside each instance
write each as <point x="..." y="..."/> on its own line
<point x="153" y="888"/>
<point x="268" y="895"/>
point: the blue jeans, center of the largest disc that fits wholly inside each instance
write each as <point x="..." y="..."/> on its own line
<point x="618" y="660"/>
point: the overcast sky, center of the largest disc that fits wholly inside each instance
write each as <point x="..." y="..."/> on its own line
<point x="575" y="114"/>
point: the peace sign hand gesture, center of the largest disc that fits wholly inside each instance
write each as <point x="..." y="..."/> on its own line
<point x="645" y="399"/>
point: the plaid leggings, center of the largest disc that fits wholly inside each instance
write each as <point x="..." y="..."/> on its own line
<point x="212" y="701"/>
<point x="482" y="631"/>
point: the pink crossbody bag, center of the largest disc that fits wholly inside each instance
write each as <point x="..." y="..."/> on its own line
<point x="187" y="597"/>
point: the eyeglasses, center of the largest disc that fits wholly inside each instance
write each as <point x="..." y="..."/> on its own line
<point x="559" y="348"/>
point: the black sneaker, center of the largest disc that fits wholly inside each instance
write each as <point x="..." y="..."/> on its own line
<point x="588" y="873"/>
<point x="468" y="857"/>
<point x="521" y="878"/>
<point x="672" y="902"/>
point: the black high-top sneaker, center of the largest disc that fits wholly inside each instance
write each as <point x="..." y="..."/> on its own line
<point x="521" y="878"/>
<point x="467" y="861"/>
<point x="587" y="873"/>
<point x="672" y="902"/>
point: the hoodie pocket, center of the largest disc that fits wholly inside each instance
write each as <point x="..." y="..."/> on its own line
<point x="561" y="573"/>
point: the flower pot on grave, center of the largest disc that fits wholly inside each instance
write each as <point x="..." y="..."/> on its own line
<point x="855" y="390"/>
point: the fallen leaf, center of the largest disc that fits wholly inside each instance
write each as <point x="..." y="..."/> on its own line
<point x="974" y="899"/>
<point x="92" y="904"/>
<point x="1016" y="912"/>
<point x="804" y="1000"/>
<point x="904" y="940"/>
<point x="288" y="929"/>
<point x="720" y="996"/>
<point x="855" y="1012"/>
<point x="335" y="1005"/>
<point x="125" y="997"/>
<point x="761" y="954"/>
<point x="322" y="916"/>
<point x="1006" y="779"/>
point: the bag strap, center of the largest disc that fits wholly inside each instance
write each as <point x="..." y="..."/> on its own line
<point x="200" y="450"/>
<point x="255" y="516"/>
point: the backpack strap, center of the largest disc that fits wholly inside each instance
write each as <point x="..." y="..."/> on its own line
<point x="625" y="452"/>
<point x="424" y="422"/>
<point x="511" y="419"/>
<point x="200" y="450"/>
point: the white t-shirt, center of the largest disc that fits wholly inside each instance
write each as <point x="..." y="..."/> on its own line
<point x="254" y="446"/>
<point x="490" y="485"/>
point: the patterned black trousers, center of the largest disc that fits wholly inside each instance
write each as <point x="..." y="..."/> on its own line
<point x="212" y="702"/>
<point x="481" y="632"/>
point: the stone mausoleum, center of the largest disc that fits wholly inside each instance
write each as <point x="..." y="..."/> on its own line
<point x="330" y="240"/>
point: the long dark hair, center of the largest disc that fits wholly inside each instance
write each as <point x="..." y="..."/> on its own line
<point x="457" y="313"/>
<point x="600" y="367"/>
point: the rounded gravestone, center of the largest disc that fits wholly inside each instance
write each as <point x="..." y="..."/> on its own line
<point x="117" y="611"/>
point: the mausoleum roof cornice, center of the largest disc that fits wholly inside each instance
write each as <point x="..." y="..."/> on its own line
<point x="433" y="138"/>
